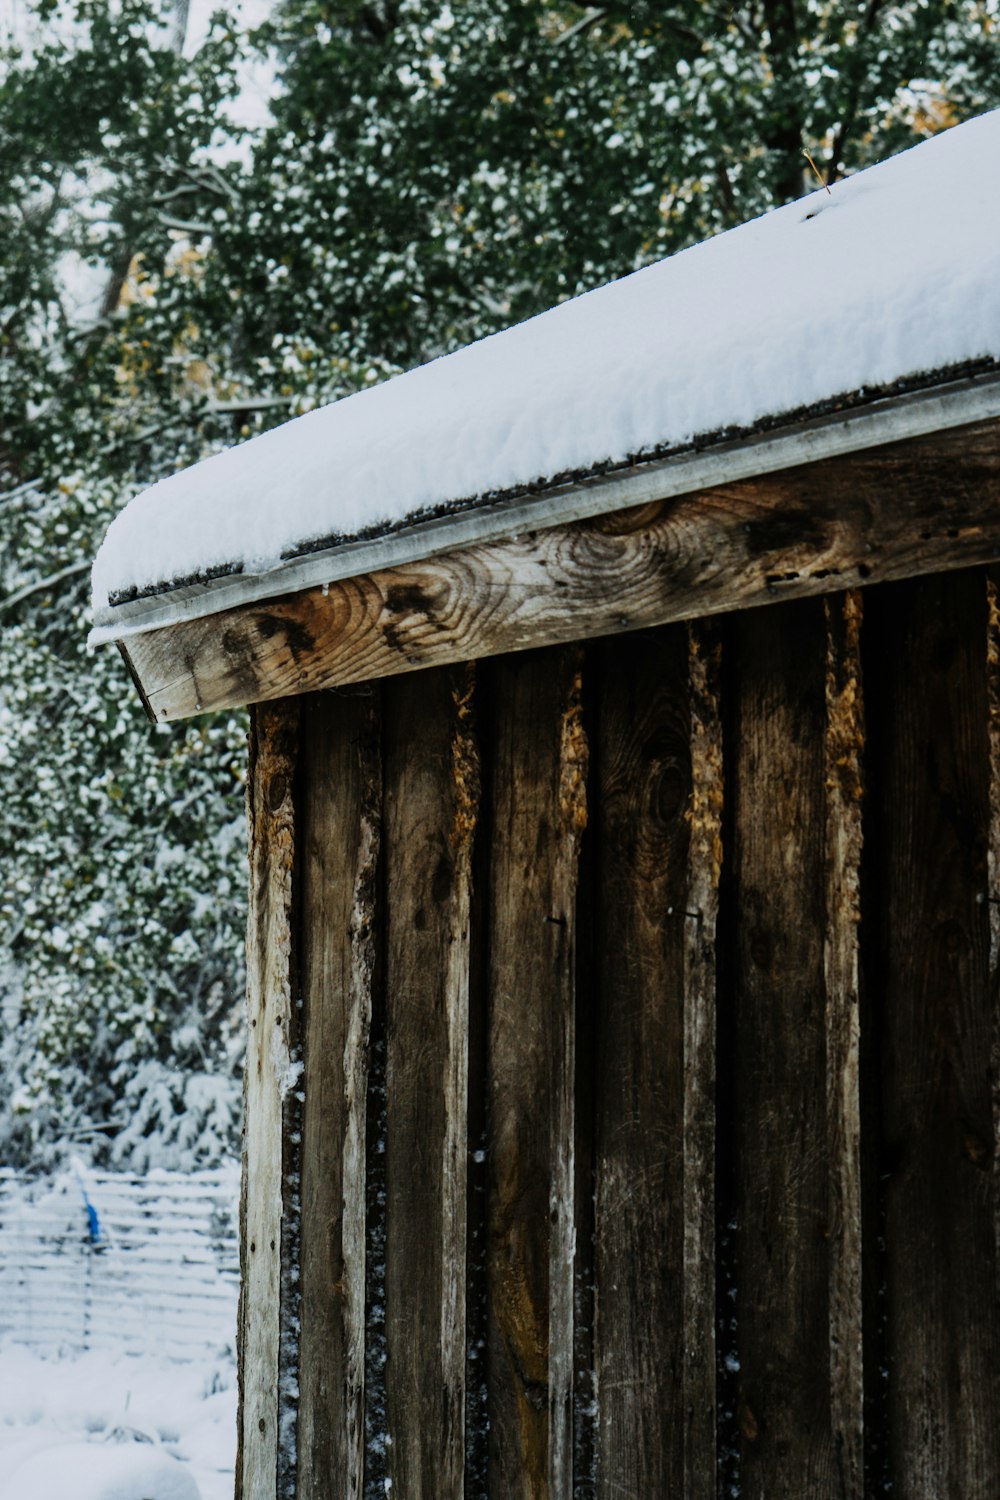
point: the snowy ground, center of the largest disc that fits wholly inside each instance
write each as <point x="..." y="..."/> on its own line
<point x="115" y="1427"/>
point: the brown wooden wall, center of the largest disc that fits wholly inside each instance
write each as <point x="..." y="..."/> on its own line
<point x="622" y="1103"/>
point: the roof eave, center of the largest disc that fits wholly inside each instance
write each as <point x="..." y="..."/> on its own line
<point x="868" y="423"/>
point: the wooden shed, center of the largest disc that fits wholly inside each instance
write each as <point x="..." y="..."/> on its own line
<point x="622" y="1079"/>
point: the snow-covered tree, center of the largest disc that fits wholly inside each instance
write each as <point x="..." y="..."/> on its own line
<point x="176" y="275"/>
<point x="121" y="881"/>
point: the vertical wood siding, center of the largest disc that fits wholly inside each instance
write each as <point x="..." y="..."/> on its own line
<point x="701" y="915"/>
<point x="623" y="1092"/>
<point x="266" y="1443"/>
<point x="652" y="1163"/>
<point x="539" y="813"/>
<point x="340" y="789"/>
<point x="844" y="747"/>
<point x="936" y="1029"/>
<point x="779" y="1116"/>
<point x="431" y="809"/>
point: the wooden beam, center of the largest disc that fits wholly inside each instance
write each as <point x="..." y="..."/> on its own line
<point x="336" y="929"/>
<point x="993" y="865"/>
<point x="540" y="810"/>
<point x="644" y="788"/>
<point x="431" y="812"/>
<point x="657" y="825"/>
<point x="266" y="1425"/>
<point x="783" y="1257"/>
<point x="937" y="1035"/>
<point x="844" y="785"/>
<point x="923" y="506"/>
<point x="704" y="870"/>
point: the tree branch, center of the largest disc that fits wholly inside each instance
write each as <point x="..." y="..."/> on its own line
<point x="22" y="493"/>
<point x="41" y="584"/>
<point x="185" y="226"/>
<point x="590" y="17"/>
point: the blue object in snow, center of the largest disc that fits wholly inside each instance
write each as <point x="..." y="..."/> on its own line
<point x="94" y="1228"/>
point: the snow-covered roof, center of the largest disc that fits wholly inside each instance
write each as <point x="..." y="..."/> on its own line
<point x="889" y="282"/>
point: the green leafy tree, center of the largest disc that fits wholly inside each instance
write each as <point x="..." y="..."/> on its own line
<point x="428" y="174"/>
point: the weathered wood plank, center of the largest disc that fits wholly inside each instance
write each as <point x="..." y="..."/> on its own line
<point x="477" y="1172"/>
<point x="263" y="1444"/>
<point x="539" y="803"/>
<point x="887" y="513"/>
<point x="587" y="1042"/>
<point x="704" y="870"/>
<point x="943" y="1328"/>
<point x="431" y="811"/>
<point x="783" y="1261"/>
<point x="844" y="750"/>
<point x="993" y="864"/>
<point x="644" y="759"/>
<point x="339" y="850"/>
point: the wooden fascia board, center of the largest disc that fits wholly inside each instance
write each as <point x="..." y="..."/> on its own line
<point x="885" y="420"/>
<point x="886" y="513"/>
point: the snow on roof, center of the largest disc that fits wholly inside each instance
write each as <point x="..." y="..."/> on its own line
<point x="891" y="275"/>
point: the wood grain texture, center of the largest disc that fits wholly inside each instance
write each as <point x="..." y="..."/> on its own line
<point x="886" y="513"/>
<point x="704" y="870"/>
<point x="431" y="812"/>
<point x="844" y="786"/>
<point x="783" y="1258"/>
<point x="539" y="804"/>
<point x="336" y="927"/>
<point x="993" y="865"/>
<point x="643" y="833"/>
<point x="265" y="1441"/>
<point x="943" y="1327"/>
<point x="587" y="1042"/>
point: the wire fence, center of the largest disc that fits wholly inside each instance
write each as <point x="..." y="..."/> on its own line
<point x="144" y="1265"/>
